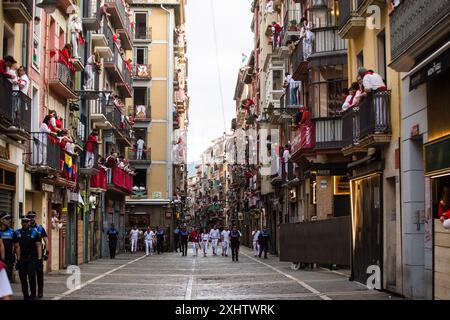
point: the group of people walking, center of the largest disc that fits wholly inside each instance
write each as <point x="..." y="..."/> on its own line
<point x="26" y="249"/>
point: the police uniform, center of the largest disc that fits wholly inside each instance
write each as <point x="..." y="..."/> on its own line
<point x="235" y="236"/>
<point x="159" y="241"/>
<point x="113" y="235"/>
<point x="7" y="236"/>
<point x="40" y="265"/>
<point x="184" y="234"/>
<point x="27" y="239"/>
<point x="263" y="240"/>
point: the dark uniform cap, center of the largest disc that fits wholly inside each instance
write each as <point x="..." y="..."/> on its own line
<point x="4" y="215"/>
<point x="31" y="215"/>
<point x="25" y="219"/>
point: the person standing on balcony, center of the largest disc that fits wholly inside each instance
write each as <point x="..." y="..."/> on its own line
<point x="92" y="64"/>
<point x="90" y="147"/>
<point x="23" y="81"/>
<point x="306" y="38"/>
<point x="40" y="140"/>
<point x="140" y="144"/>
<point x="76" y="31"/>
<point x="286" y="158"/>
<point x="5" y="64"/>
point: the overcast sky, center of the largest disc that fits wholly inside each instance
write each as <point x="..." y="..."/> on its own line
<point x="234" y="38"/>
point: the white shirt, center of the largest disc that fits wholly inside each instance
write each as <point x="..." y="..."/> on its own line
<point x="226" y="235"/>
<point x="346" y="104"/>
<point x="134" y="234"/>
<point x="372" y="82"/>
<point x="149" y="235"/>
<point x="24" y="83"/>
<point x="140" y="144"/>
<point x="214" y="233"/>
<point x="286" y="155"/>
<point x="205" y="236"/>
<point x="256" y="235"/>
<point x="5" y="287"/>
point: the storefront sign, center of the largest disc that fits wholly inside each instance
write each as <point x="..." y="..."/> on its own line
<point x="48" y="187"/>
<point x="431" y="70"/>
<point x="323" y="184"/>
<point x="437" y="155"/>
<point x="157" y="195"/>
<point x="341" y="185"/>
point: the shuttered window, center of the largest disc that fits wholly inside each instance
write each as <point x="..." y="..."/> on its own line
<point x="6" y="201"/>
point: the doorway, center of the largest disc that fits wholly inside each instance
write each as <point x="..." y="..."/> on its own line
<point x="367" y="228"/>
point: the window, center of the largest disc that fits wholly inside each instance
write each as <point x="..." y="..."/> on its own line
<point x="141" y="56"/>
<point x="381" y="54"/>
<point x="326" y="90"/>
<point x="360" y="59"/>
<point x="36" y="49"/>
<point x="141" y="26"/>
<point x="8" y="41"/>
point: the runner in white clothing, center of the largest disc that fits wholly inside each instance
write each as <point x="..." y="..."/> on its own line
<point x="205" y="239"/>
<point x="148" y="237"/>
<point x="215" y="236"/>
<point x="225" y="241"/>
<point x="134" y="235"/>
<point x="255" y="235"/>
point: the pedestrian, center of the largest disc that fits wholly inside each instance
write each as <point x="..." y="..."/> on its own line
<point x="263" y="240"/>
<point x="113" y="236"/>
<point x="255" y="235"/>
<point x="148" y="236"/>
<point x="134" y="236"/>
<point x="214" y="235"/>
<point x="205" y="239"/>
<point x="140" y="144"/>
<point x="159" y="239"/>
<point x="40" y="265"/>
<point x="5" y="286"/>
<point x="194" y="237"/>
<point x="176" y="238"/>
<point x="235" y="236"/>
<point x="6" y="236"/>
<point x="225" y="237"/>
<point x="27" y="244"/>
<point x="184" y="235"/>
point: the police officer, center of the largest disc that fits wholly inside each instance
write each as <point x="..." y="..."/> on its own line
<point x="235" y="236"/>
<point x="159" y="239"/>
<point x="40" y="266"/>
<point x="184" y="234"/>
<point x="6" y="235"/>
<point x="263" y="241"/>
<point x="28" y="246"/>
<point x="176" y="238"/>
<point x="113" y="235"/>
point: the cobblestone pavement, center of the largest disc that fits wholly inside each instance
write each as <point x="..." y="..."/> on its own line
<point x="171" y="276"/>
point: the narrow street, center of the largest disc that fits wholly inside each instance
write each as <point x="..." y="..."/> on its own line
<point x="171" y="276"/>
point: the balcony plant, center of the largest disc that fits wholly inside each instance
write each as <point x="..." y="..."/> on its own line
<point x="293" y="25"/>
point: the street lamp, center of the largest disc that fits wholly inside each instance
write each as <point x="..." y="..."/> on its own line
<point x="49" y="6"/>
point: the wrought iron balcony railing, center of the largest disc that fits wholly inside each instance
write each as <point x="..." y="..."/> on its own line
<point x="15" y="108"/>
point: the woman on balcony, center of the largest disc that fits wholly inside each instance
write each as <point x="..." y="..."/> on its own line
<point x="307" y="37"/>
<point x="90" y="147"/>
<point x="40" y="143"/>
<point x="92" y="63"/>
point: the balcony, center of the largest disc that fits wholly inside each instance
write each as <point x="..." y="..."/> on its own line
<point x="18" y="11"/>
<point x="363" y="5"/>
<point x="126" y="86"/>
<point x="119" y="72"/>
<point x="99" y="112"/>
<point x="89" y="162"/>
<point x="142" y="72"/>
<point x="328" y="42"/>
<point x="351" y="23"/>
<point x="66" y="5"/>
<point x="143" y="34"/>
<point x="290" y="29"/>
<point x="99" y="180"/>
<point x="140" y="157"/>
<point x="102" y="41"/>
<point x="119" y="181"/>
<point x="91" y="15"/>
<point x="44" y="154"/>
<point x="143" y="113"/>
<point x="328" y="133"/>
<point x="416" y="27"/>
<point x="121" y="126"/>
<point x="126" y="38"/>
<point x="300" y="62"/>
<point x="15" y="112"/>
<point x="119" y="19"/>
<point x="303" y="140"/>
<point x="61" y="78"/>
<point x="367" y="125"/>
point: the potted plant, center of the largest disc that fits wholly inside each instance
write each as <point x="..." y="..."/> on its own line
<point x="293" y="25"/>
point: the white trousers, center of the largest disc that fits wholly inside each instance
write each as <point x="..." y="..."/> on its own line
<point x="255" y="248"/>
<point x="148" y="247"/>
<point x="225" y="247"/>
<point x="214" y="245"/>
<point x="205" y="246"/>
<point x="133" y="245"/>
<point x="139" y="154"/>
<point x="195" y="248"/>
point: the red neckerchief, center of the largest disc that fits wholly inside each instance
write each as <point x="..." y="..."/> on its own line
<point x="2" y="265"/>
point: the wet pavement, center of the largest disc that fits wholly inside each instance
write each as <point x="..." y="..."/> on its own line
<point x="171" y="276"/>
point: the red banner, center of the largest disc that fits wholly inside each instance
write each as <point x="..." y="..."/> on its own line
<point x="304" y="138"/>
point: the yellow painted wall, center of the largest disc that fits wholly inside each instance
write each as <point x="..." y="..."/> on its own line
<point x="157" y="56"/>
<point x="158" y="22"/>
<point x="158" y="100"/>
<point x="158" y="180"/>
<point x="158" y="141"/>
